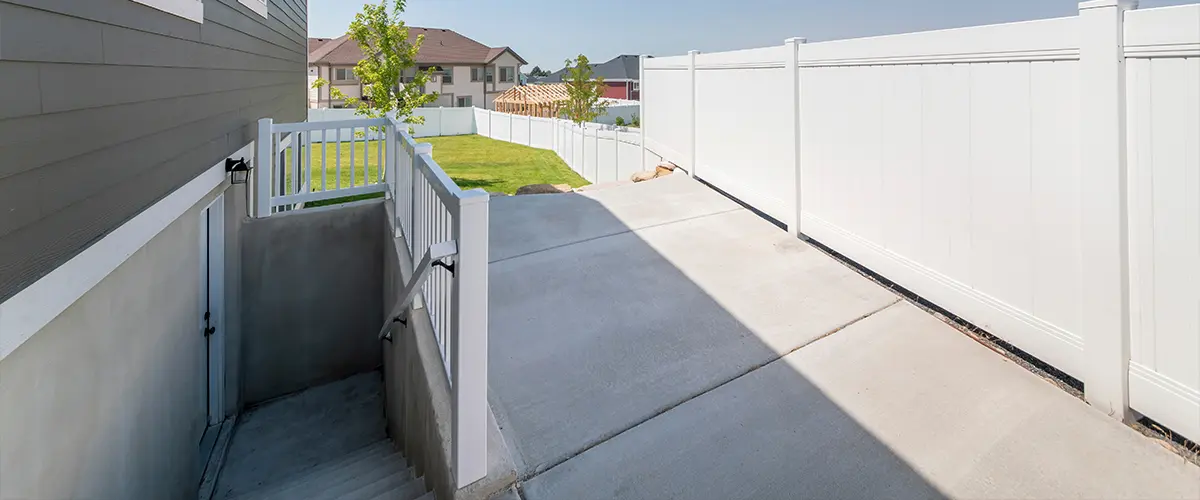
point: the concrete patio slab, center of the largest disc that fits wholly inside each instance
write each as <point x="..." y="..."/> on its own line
<point x="592" y="338"/>
<point x="524" y="224"/>
<point x="898" y="405"/>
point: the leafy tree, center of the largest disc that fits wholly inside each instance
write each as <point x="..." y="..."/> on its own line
<point x="584" y="92"/>
<point x="538" y="71"/>
<point x="388" y="53"/>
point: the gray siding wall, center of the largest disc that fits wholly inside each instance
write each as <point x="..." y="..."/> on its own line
<point x="106" y="106"/>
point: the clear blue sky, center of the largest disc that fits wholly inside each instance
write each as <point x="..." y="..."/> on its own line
<point x="545" y="32"/>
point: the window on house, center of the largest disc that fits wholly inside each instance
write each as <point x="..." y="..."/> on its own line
<point x="448" y="75"/>
<point x="508" y="74"/>
<point x="344" y="74"/>
<point x="259" y="6"/>
<point x="188" y="9"/>
<point x="476" y="74"/>
<point x="464" y="101"/>
<point x="488" y="75"/>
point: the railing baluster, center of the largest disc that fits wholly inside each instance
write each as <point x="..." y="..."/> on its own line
<point x="337" y="182"/>
<point x="353" y="145"/>
<point x="380" y="160"/>
<point x="324" y="152"/>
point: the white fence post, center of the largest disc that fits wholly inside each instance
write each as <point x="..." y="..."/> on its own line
<point x="395" y="151"/>
<point x="1104" y="190"/>
<point x="470" y="348"/>
<point x="692" y="78"/>
<point x="792" y="65"/>
<point x="263" y="165"/>
<point x="642" y="109"/>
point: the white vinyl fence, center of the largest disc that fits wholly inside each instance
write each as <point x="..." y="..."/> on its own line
<point x="1039" y="179"/>
<point x="598" y="153"/>
<point x="438" y="121"/>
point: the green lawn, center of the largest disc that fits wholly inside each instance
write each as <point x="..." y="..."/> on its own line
<point x="472" y="161"/>
<point x="475" y="161"/>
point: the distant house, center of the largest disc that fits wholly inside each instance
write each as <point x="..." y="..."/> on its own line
<point x="620" y="76"/>
<point x="467" y="73"/>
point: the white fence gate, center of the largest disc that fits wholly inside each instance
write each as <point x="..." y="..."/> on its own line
<point x="986" y="170"/>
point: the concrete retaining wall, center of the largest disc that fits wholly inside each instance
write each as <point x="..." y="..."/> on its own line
<point x="311" y="310"/>
<point x="108" y="399"/>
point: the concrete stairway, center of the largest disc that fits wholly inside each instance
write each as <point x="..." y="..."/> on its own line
<point x="374" y="472"/>
<point x="327" y="442"/>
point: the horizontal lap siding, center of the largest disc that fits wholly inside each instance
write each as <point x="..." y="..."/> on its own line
<point x="106" y="106"/>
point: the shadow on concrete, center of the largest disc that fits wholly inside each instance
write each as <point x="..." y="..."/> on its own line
<point x="636" y="337"/>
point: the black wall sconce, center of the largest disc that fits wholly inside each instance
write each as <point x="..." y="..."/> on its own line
<point x="238" y="170"/>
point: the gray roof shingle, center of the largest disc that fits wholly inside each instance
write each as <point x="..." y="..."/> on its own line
<point x="441" y="46"/>
<point x="623" y="67"/>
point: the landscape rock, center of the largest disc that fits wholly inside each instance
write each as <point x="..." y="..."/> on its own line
<point x="662" y="170"/>
<point x="543" y="189"/>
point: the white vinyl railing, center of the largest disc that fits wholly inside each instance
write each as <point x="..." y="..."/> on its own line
<point x="430" y="209"/>
<point x="317" y="161"/>
<point x="444" y="228"/>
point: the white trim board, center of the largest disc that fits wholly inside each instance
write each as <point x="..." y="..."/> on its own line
<point x="258" y="6"/>
<point x="192" y="10"/>
<point x="37" y="305"/>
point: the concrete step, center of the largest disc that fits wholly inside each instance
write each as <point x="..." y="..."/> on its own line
<point x="392" y="487"/>
<point x="353" y="479"/>
<point x="331" y="473"/>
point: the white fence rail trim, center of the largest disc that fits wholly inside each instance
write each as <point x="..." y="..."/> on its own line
<point x="1039" y="179"/>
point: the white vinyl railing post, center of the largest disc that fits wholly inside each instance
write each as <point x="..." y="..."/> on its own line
<point x="792" y="53"/>
<point x="1104" y="228"/>
<point x="469" y="347"/>
<point x="263" y="165"/>
<point x="692" y="101"/>
<point x="642" y="109"/>
<point x="395" y="152"/>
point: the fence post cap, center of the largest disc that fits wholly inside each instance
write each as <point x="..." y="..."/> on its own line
<point x="796" y="40"/>
<point x="1101" y="4"/>
<point x="474" y="196"/>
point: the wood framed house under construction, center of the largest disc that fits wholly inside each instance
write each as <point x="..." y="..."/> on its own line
<point x="533" y="100"/>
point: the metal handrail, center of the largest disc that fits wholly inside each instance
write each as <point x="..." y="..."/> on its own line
<point x="435" y="255"/>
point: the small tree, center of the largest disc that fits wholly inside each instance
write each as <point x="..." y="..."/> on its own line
<point x="387" y="54"/>
<point x="584" y="92"/>
<point x="538" y="71"/>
